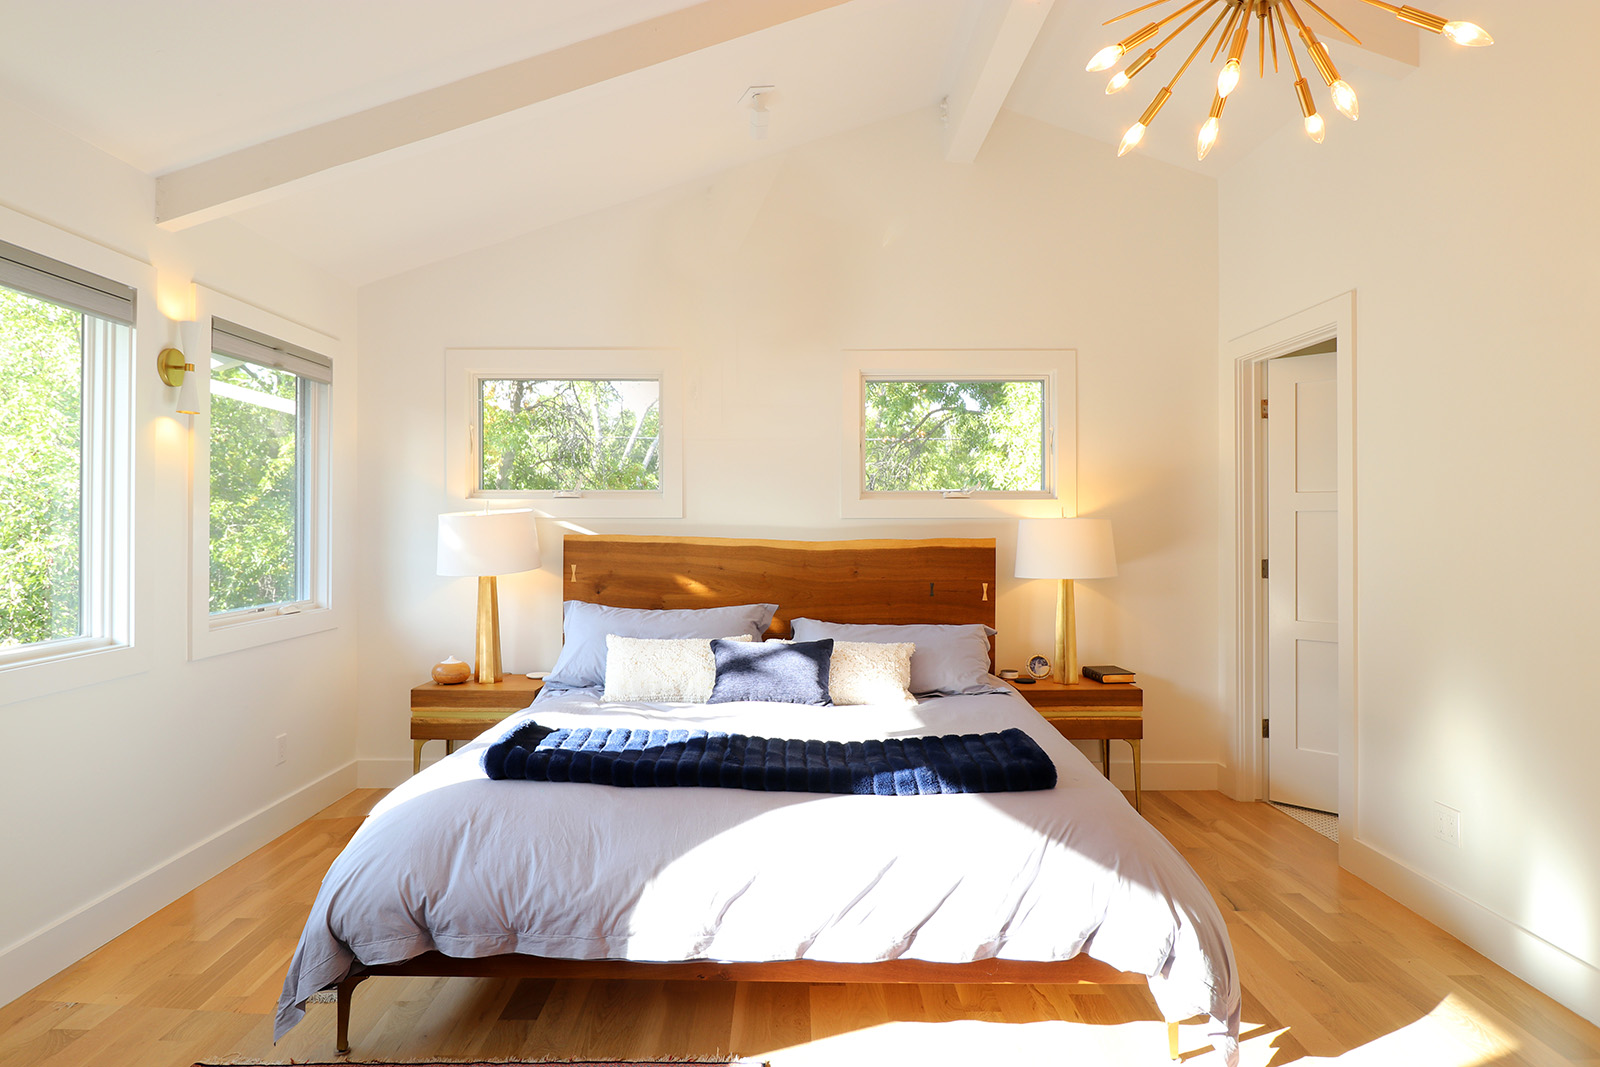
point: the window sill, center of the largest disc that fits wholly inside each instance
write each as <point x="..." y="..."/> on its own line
<point x="71" y="669"/>
<point x="209" y="639"/>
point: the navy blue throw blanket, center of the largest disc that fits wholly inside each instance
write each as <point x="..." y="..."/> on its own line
<point x="955" y="763"/>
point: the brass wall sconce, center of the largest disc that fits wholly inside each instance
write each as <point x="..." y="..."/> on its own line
<point x="176" y="370"/>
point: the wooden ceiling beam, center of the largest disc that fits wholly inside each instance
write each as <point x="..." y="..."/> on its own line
<point x="230" y="183"/>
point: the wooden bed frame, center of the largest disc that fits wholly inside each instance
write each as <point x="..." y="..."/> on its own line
<point x="878" y="581"/>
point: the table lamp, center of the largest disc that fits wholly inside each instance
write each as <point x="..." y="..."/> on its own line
<point x="485" y="544"/>
<point x="1065" y="549"/>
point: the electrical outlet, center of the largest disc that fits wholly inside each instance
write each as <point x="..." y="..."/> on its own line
<point x="1447" y="824"/>
<point x="283" y="749"/>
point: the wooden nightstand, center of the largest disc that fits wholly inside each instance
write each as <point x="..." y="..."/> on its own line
<point x="452" y="713"/>
<point x="1091" y="711"/>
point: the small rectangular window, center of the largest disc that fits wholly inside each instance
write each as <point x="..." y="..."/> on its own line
<point x="957" y="433"/>
<point x="267" y="467"/>
<point x="569" y="434"/>
<point x="66" y="339"/>
<point x="963" y="435"/>
<point x="580" y="432"/>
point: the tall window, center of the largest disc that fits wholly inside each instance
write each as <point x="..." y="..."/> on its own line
<point x="268" y="474"/>
<point x="65" y="340"/>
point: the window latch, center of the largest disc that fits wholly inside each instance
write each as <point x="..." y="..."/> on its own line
<point x="956" y="494"/>
<point x="567" y="494"/>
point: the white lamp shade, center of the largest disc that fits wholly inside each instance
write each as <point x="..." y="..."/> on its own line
<point x="479" y="543"/>
<point x="1065" y="548"/>
<point x="189" y="394"/>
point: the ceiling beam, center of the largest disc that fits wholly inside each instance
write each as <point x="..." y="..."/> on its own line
<point x="1004" y="36"/>
<point x="265" y="171"/>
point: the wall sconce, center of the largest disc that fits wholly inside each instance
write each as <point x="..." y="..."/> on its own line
<point x="176" y="370"/>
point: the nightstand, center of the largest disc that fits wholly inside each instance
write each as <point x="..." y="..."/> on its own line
<point x="452" y="713"/>
<point x="1092" y="711"/>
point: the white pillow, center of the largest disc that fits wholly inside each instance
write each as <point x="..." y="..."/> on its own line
<point x="863" y="672"/>
<point x="661" y="670"/>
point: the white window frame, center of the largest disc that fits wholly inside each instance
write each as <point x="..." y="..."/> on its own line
<point x="1056" y="368"/>
<point x="465" y="368"/>
<point x="105" y="649"/>
<point x="216" y="634"/>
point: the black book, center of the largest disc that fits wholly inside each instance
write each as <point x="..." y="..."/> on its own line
<point x="1108" y="674"/>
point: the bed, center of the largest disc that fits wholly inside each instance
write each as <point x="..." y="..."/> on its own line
<point x="458" y="874"/>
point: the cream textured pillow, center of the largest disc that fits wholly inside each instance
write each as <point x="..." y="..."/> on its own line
<point x="863" y="672"/>
<point x="661" y="670"/>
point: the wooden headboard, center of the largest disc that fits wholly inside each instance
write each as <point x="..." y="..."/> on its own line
<point x="948" y="580"/>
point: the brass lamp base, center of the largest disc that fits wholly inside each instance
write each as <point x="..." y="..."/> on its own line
<point x="1066" y="634"/>
<point x="487" y="660"/>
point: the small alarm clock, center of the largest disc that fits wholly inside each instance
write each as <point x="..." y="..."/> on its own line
<point x="1039" y="667"/>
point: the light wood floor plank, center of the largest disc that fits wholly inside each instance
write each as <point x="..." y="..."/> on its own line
<point x="1331" y="968"/>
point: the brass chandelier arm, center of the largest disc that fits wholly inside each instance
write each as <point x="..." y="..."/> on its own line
<point x="1272" y="31"/>
<point x="1312" y="4"/>
<point x="1135" y="11"/>
<point x="1289" y="44"/>
<point x="1227" y="31"/>
<point x="1190" y="22"/>
<point x="1196" y="51"/>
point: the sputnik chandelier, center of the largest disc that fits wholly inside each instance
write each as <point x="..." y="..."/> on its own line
<point x="1274" y="18"/>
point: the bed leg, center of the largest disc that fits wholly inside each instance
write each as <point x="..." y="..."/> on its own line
<point x="1172" y="1040"/>
<point x="347" y="989"/>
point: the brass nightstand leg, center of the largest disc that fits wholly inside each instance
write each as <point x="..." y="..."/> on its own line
<point x="1172" y="1040"/>
<point x="416" y="754"/>
<point x="1135" y="743"/>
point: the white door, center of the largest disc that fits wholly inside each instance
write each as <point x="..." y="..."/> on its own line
<point x="1302" y="582"/>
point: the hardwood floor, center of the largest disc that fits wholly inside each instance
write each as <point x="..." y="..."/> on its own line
<point x="1331" y="968"/>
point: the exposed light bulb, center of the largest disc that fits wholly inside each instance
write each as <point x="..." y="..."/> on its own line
<point x="1228" y="79"/>
<point x="1134" y="135"/>
<point x="1344" y="98"/>
<point x="1468" y="33"/>
<point x="1118" y="82"/>
<point x="1315" y="127"/>
<point x="1104" y="58"/>
<point x="1208" y="137"/>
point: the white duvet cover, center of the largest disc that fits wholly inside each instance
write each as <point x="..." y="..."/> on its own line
<point x="454" y="862"/>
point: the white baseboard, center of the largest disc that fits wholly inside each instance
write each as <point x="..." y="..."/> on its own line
<point x="45" y="953"/>
<point x="1547" y="967"/>
<point x="1160" y="774"/>
<point x="384" y="773"/>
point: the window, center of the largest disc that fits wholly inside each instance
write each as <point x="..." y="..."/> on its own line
<point x="965" y="435"/>
<point x="66" y="341"/>
<point x="569" y="434"/>
<point x="583" y="433"/>
<point x="267" y="475"/>
<point x="957" y="433"/>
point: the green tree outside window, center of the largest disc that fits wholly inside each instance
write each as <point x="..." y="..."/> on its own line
<point x="929" y="436"/>
<point x="570" y="434"/>
<point x="255" y="479"/>
<point x="41" y="470"/>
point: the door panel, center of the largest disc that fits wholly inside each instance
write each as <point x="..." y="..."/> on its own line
<point x="1302" y="588"/>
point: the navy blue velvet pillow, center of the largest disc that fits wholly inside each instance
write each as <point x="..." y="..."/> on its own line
<point x="793" y="673"/>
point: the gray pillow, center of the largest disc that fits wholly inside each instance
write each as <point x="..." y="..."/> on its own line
<point x="792" y="672"/>
<point x="582" y="663"/>
<point x="950" y="659"/>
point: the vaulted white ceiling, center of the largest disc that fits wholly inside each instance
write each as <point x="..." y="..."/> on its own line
<point x="374" y="136"/>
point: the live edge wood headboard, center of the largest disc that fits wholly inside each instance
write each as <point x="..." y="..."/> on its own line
<point x="946" y="580"/>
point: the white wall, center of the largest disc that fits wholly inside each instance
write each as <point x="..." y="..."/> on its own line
<point x="122" y="795"/>
<point x="1461" y="210"/>
<point x="761" y="276"/>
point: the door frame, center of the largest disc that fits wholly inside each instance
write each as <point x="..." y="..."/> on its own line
<point x="1243" y="540"/>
